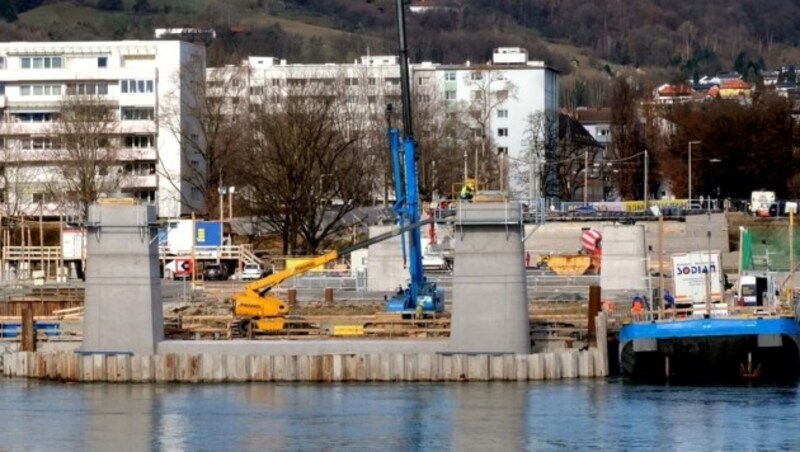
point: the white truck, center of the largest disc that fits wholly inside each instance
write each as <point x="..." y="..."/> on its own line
<point x="692" y="274"/>
<point x="760" y="202"/>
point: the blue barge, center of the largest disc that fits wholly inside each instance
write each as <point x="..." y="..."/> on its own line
<point x="712" y="349"/>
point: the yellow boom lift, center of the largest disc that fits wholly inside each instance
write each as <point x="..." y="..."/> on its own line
<point x="260" y="311"/>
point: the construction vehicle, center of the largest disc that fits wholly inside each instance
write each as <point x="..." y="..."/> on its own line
<point x="421" y="296"/>
<point x="587" y="261"/>
<point x="259" y="311"/>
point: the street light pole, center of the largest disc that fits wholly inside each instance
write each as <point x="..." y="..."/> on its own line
<point x="690" y="171"/>
<point x="646" y="170"/>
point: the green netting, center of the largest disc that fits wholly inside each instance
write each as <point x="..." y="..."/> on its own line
<point x="767" y="247"/>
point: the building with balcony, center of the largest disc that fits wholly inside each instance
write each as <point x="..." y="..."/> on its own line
<point x="506" y="101"/>
<point x="144" y="86"/>
<point x="509" y="91"/>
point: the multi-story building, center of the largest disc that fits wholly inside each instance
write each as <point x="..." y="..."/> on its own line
<point x="144" y="88"/>
<point x="506" y="101"/>
<point x="500" y="100"/>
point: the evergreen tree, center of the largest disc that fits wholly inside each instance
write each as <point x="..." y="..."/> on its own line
<point x="7" y="11"/>
<point x="111" y="5"/>
<point x="141" y="6"/>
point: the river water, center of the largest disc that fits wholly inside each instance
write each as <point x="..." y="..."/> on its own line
<point x="560" y="415"/>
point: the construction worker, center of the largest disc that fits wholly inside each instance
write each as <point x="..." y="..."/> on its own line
<point x="468" y="190"/>
<point x="637" y="308"/>
<point x="669" y="302"/>
<point x="418" y="311"/>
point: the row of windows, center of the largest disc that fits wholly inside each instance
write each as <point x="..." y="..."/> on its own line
<point x="41" y="62"/>
<point x="35" y="117"/>
<point x="87" y="88"/>
<point x="501" y="132"/>
<point x="41" y="143"/>
<point x="39" y="90"/>
<point x="137" y="113"/>
<point x="136" y="86"/>
<point x="48" y="62"/>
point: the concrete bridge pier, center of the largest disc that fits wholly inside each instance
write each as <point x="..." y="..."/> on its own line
<point x="123" y="312"/>
<point x="490" y="300"/>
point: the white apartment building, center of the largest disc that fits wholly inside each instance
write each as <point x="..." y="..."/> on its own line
<point x="515" y="88"/>
<point x="504" y="96"/>
<point x="142" y="82"/>
<point x="368" y="83"/>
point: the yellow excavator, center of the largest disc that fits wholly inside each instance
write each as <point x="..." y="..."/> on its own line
<point x="259" y="311"/>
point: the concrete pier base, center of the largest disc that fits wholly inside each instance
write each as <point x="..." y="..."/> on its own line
<point x="123" y="286"/>
<point x="490" y="300"/>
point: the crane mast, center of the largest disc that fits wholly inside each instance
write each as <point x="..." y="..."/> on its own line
<point x="406" y="206"/>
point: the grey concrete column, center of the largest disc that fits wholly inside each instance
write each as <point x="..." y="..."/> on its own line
<point x="123" y="310"/>
<point x="490" y="300"/>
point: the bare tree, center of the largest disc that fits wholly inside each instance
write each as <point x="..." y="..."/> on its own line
<point x="538" y="168"/>
<point x="208" y="118"/>
<point x="443" y="137"/>
<point x="628" y="142"/>
<point x="305" y="167"/>
<point x="85" y="151"/>
<point x="19" y="179"/>
<point x="489" y="89"/>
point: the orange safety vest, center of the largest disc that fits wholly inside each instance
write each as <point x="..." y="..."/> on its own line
<point x="638" y="307"/>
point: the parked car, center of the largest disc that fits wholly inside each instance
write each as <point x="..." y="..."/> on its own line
<point x="251" y="272"/>
<point x="213" y="272"/>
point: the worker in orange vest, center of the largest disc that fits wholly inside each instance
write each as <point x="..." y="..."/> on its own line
<point x="637" y="308"/>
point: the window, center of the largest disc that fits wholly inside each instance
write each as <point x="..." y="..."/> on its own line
<point x="102" y="61"/>
<point x="603" y="132"/>
<point x="423" y="80"/>
<point x="41" y="198"/>
<point x="2" y="89"/>
<point x="372" y="99"/>
<point x="89" y="89"/>
<point x="371" y="81"/>
<point x="37" y="143"/>
<point x="36" y="117"/>
<point x="450" y="94"/>
<point x="502" y="113"/>
<point x="450" y="76"/>
<point x="502" y="132"/>
<point x="136" y="86"/>
<point x="256" y="90"/>
<point x="350" y="81"/>
<point x="502" y="94"/>
<point x="40" y="90"/>
<point x="276" y="82"/>
<point x="476" y="76"/>
<point x="424" y="98"/>
<point x="44" y="62"/>
<point x="139" y="141"/>
<point x="2" y="62"/>
<point x="137" y="113"/>
<point x="352" y="99"/>
<point x="476" y="95"/>
<point x="393" y="80"/>
<point x="502" y="150"/>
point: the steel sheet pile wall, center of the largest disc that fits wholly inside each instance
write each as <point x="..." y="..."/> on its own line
<point x="206" y="368"/>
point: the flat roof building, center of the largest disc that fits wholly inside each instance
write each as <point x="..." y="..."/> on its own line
<point x="142" y="88"/>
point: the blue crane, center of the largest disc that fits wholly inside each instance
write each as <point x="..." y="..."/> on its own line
<point x="419" y="292"/>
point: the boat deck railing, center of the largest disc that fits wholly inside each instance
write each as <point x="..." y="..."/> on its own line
<point x="717" y="311"/>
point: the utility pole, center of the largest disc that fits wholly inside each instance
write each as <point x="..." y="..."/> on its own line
<point x="646" y="170"/>
<point x="586" y="178"/>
